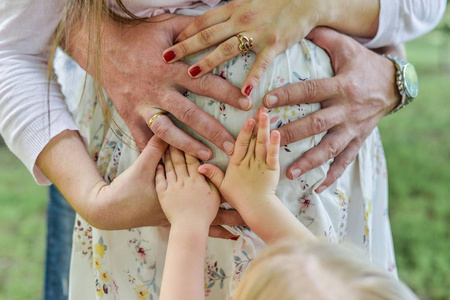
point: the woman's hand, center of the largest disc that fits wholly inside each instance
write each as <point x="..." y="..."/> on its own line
<point x="353" y="102"/>
<point x="186" y="197"/>
<point x="274" y="26"/>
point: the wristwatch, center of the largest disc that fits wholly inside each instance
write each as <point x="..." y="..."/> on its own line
<point x="406" y="80"/>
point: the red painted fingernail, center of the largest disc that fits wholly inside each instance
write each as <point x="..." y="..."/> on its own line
<point x="168" y="56"/>
<point x="235" y="238"/>
<point x="248" y="90"/>
<point x="195" y="71"/>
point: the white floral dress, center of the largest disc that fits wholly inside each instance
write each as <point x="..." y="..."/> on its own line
<point x="128" y="264"/>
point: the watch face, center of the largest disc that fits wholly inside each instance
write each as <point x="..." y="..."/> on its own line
<point x="411" y="81"/>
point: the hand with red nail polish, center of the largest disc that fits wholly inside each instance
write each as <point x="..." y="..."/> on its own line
<point x="140" y="83"/>
<point x="274" y="27"/>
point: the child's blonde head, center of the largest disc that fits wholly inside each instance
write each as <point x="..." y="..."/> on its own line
<point x="317" y="270"/>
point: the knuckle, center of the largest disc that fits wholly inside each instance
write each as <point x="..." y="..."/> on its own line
<point x="228" y="49"/>
<point x="350" y="88"/>
<point x="160" y="128"/>
<point x="317" y="124"/>
<point x="210" y="63"/>
<point x="333" y="149"/>
<point x="288" y="135"/>
<point x="183" y="48"/>
<point x="246" y="18"/>
<point x="214" y="135"/>
<point x="310" y="89"/>
<point x="205" y="84"/>
<point x="189" y="115"/>
<point x="205" y="36"/>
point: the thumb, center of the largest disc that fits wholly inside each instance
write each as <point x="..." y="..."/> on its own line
<point x="326" y="38"/>
<point x="213" y="173"/>
<point x="179" y="23"/>
<point x="153" y="152"/>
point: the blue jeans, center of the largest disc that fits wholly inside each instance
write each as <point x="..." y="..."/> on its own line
<point x="60" y="223"/>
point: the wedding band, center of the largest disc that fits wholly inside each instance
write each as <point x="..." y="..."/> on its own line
<point x="155" y="116"/>
<point x="246" y="43"/>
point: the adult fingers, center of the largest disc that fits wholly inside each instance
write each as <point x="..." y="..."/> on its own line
<point x="193" y="116"/>
<point x="333" y="143"/>
<point x="262" y="62"/>
<point x="208" y="19"/>
<point x="171" y="134"/>
<point x="225" y="51"/>
<point x="152" y="153"/>
<point x="204" y="39"/>
<point x="273" y="153"/>
<point x="243" y="141"/>
<point x="315" y="123"/>
<point x="340" y="164"/>
<point x="229" y="217"/>
<point x="213" y="173"/>
<point x="262" y="139"/>
<point x="309" y="91"/>
<point x="216" y="87"/>
<point x="160" y="180"/>
<point x="217" y="231"/>
<point x="178" y="161"/>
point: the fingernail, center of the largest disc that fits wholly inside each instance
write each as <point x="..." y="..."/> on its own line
<point x="168" y="56"/>
<point x="228" y="147"/>
<point x="203" y="154"/>
<point x="321" y="189"/>
<point x="195" y="71"/>
<point x="271" y="100"/>
<point x="245" y="103"/>
<point x="248" y="90"/>
<point x="295" y="173"/>
<point x="234" y="238"/>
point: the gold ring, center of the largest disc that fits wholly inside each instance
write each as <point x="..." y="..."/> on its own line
<point x="246" y="43"/>
<point x="155" y="116"/>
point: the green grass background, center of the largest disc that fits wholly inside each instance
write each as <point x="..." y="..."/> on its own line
<point x="417" y="146"/>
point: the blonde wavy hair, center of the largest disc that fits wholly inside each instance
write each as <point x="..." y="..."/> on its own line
<point x="317" y="270"/>
<point x="90" y="15"/>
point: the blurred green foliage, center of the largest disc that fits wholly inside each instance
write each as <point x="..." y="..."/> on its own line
<point x="417" y="146"/>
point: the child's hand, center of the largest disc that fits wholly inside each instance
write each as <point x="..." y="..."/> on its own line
<point x="186" y="197"/>
<point x="274" y="26"/>
<point x="253" y="172"/>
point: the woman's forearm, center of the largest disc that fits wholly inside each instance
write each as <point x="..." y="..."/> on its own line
<point x="66" y="162"/>
<point x="352" y="17"/>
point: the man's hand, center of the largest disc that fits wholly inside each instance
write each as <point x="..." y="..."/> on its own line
<point x="353" y="102"/>
<point x="141" y="84"/>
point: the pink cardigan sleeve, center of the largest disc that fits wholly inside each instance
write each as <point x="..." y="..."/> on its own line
<point x="404" y="20"/>
<point x="32" y="112"/>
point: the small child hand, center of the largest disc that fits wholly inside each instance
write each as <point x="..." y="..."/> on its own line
<point x="186" y="197"/>
<point x="253" y="172"/>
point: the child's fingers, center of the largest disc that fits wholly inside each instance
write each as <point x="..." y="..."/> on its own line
<point x="160" y="180"/>
<point x="262" y="62"/>
<point x="179" y="162"/>
<point x="243" y="141"/>
<point x="262" y="140"/>
<point x="213" y="173"/>
<point x="273" y="154"/>
<point x="192" y="165"/>
<point x="260" y="110"/>
<point x="168" y="165"/>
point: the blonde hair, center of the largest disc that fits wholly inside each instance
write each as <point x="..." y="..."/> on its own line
<point x="91" y="14"/>
<point x="317" y="270"/>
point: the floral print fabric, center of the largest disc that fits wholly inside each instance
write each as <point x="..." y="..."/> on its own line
<point x="128" y="264"/>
